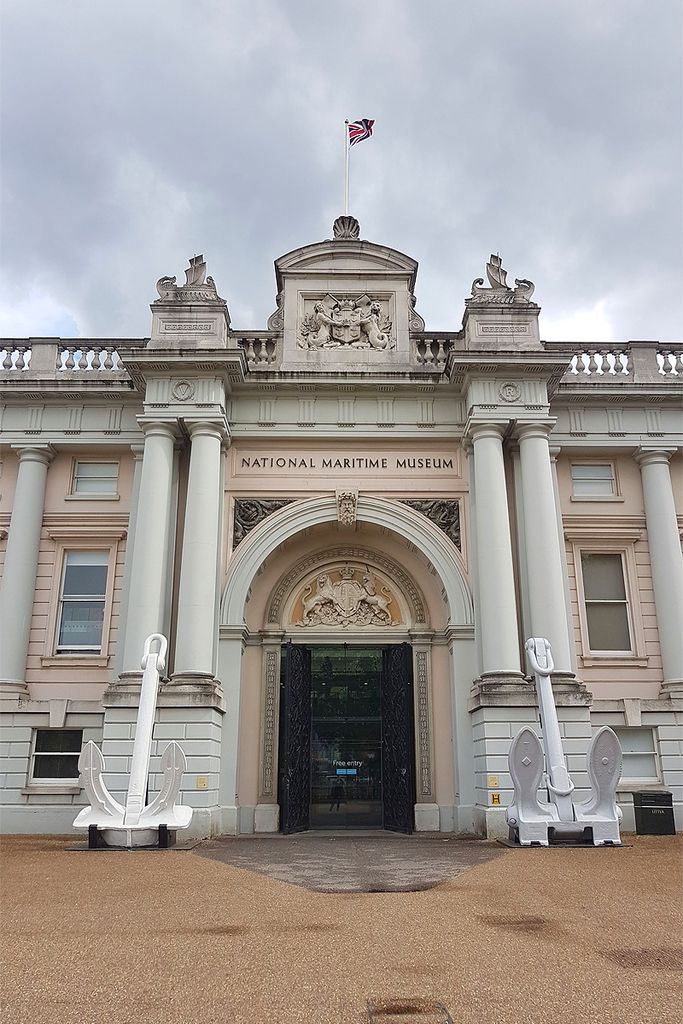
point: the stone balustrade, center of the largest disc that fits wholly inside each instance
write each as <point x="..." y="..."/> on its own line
<point x="260" y="348"/>
<point x="670" y="362"/>
<point x="52" y="357"/>
<point x="431" y="350"/>
<point x="633" y="362"/>
<point x="610" y="362"/>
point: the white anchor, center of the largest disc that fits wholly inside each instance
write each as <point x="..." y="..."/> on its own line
<point x="136" y="824"/>
<point x="528" y="818"/>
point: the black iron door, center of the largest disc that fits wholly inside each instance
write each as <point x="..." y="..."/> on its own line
<point x="398" y="757"/>
<point x="295" y="739"/>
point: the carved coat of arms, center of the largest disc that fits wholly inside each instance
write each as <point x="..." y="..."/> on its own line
<point x="346" y="602"/>
<point x="346" y="323"/>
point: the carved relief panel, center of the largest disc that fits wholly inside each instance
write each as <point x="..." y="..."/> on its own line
<point x="347" y="596"/>
<point x="346" y="322"/>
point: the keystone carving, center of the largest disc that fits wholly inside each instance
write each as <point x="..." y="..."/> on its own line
<point x="347" y="502"/>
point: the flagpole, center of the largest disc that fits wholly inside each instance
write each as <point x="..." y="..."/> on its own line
<point x="346" y="168"/>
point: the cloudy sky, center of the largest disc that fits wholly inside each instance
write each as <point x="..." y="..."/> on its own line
<point x="136" y="133"/>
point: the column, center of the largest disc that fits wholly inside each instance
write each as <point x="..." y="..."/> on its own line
<point x="21" y="565"/>
<point x="148" y="571"/>
<point x="495" y="576"/>
<point x="198" y="593"/>
<point x="545" y="577"/>
<point x="666" y="562"/>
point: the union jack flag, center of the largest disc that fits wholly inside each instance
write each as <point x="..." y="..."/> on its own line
<point x="359" y="130"/>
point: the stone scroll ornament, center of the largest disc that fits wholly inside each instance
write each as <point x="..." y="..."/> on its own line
<point x="346" y="322"/>
<point x="137" y="823"/>
<point x="532" y="821"/>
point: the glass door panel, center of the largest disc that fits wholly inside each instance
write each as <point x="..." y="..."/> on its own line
<point x="346" y="737"/>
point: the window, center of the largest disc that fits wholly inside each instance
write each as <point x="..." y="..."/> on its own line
<point x="593" y="479"/>
<point x="95" y="478"/>
<point x="604" y="592"/>
<point x="640" y="756"/>
<point x="55" y="755"/>
<point x="81" y="604"/>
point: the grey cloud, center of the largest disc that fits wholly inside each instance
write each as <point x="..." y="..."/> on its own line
<point x="137" y="134"/>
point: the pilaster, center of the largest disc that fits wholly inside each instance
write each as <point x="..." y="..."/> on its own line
<point x="267" y="812"/>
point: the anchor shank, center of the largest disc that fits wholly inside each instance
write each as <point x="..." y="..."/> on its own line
<point x="142" y="746"/>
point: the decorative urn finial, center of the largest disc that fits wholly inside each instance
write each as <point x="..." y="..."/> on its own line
<point x="345" y="228"/>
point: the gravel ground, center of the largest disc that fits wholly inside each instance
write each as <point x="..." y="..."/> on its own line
<point x="530" y="936"/>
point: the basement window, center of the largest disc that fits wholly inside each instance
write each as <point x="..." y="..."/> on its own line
<point x="640" y="760"/>
<point x="55" y="755"/>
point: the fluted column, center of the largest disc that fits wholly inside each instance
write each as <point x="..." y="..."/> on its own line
<point x="495" y="575"/>
<point x="666" y="562"/>
<point x="21" y="564"/>
<point x="148" y="571"/>
<point x="198" y="594"/>
<point x="545" y="576"/>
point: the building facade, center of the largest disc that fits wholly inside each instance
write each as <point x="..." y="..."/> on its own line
<point x="346" y="525"/>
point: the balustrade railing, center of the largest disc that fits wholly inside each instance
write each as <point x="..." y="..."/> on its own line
<point x="15" y="356"/>
<point x="46" y="357"/>
<point x="259" y="347"/>
<point x="633" y="362"/>
<point x="670" y="362"/>
<point x="601" y="362"/>
<point x="431" y="350"/>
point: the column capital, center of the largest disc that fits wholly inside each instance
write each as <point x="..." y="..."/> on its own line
<point x="206" y="428"/>
<point x="158" y="427"/>
<point x="43" y="453"/>
<point x="650" y="456"/>
<point x="477" y="430"/>
<point x="138" y="451"/>
<point x="534" y="428"/>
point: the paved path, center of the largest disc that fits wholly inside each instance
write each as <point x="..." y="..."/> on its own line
<point x="344" y="863"/>
<point x="169" y="937"/>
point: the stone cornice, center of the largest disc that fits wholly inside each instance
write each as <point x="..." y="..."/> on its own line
<point x="230" y="365"/>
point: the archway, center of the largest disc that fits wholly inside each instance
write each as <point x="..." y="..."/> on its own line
<point x="442" y="562"/>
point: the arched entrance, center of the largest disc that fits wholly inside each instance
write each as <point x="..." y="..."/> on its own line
<point x="353" y="594"/>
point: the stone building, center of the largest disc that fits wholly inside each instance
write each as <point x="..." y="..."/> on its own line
<point x="346" y="525"/>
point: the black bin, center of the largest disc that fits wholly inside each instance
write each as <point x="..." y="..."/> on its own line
<point x="654" y="814"/>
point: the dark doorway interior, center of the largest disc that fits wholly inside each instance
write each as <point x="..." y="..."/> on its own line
<point x="346" y="738"/>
